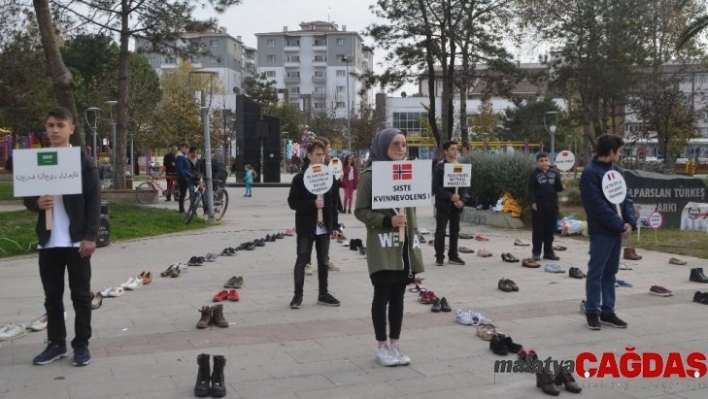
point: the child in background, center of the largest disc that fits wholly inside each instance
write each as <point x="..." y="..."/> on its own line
<point x="250" y="175"/>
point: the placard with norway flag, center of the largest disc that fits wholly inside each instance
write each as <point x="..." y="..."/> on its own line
<point x="401" y="184"/>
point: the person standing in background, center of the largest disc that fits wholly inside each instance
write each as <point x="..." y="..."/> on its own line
<point x="350" y="179"/>
<point x="170" y="164"/>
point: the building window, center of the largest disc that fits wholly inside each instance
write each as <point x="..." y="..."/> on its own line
<point x="270" y="42"/>
<point x="195" y="60"/>
<point x="341" y="73"/>
<point x="295" y="90"/>
<point x="339" y="57"/>
<point x="319" y="105"/>
<point x="294" y="58"/>
<point x="170" y="60"/>
<point x="320" y="58"/>
<point x="340" y="104"/>
<point x="340" y="89"/>
<point x="340" y="41"/>
<point x="320" y="90"/>
<point x="294" y="74"/>
<point x="409" y="121"/>
<point x="270" y="58"/>
<point x="292" y="43"/>
<point x="704" y="132"/>
<point x="320" y="43"/>
<point x="319" y="74"/>
<point x="215" y="59"/>
<point x="214" y="43"/>
<point x="270" y="74"/>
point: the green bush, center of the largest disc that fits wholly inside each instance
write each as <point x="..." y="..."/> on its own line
<point x="495" y="173"/>
<point x="573" y="196"/>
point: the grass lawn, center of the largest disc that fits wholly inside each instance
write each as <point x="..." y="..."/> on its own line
<point x="127" y="222"/>
<point x="674" y="241"/>
<point x="6" y="192"/>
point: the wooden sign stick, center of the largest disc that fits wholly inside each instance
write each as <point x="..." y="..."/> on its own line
<point x="402" y="229"/>
<point x="320" y="217"/>
<point x="49" y="219"/>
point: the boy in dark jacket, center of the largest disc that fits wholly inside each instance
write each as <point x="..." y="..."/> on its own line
<point x="448" y="206"/>
<point x="69" y="244"/>
<point x="309" y="232"/>
<point x="184" y="173"/>
<point x="606" y="227"/>
<point x="544" y="184"/>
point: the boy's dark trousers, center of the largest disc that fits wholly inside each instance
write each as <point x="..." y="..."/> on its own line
<point x="544" y="226"/>
<point x="304" y="255"/>
<point x="183" y="185"/>
<point x="441" y="220"/>
<point x="52" y="262"/>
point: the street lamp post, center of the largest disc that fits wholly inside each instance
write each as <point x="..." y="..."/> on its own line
<point x="347" y="60"/>
<point x="94" y="129"/>
<point x="552" y="130"/>
<point x="111" y="103"/>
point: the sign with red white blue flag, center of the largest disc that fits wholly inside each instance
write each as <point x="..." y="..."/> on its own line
<point x="401" y="184"/>
<point x="614" y="187"/>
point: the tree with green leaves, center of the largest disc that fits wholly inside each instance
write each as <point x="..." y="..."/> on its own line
<point x="160" y="22"/>
<point x="365" y="125"/>
<point x="694" y="29"/>
<point x="291" y="119"/>
<point x="485" y="121"/>
<point x="261" y="89"/>
<point x="525" y="121"/>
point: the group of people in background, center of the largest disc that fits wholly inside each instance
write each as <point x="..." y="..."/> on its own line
<point x="184" y="167"/>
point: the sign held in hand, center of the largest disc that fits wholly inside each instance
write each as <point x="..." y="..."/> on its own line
<point x="401" y="184"/>
<point x="318" y="180"/>
<point x="336" y="167"/>
<point x="47" y="171"/>
<point x="457" y="175"/>
<point x="565" y="160"/>
<point x="614" y="187"/>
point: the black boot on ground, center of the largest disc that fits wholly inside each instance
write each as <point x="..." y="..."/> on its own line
<point x="545" y="381"/>
<point x="201" y="389"/>
<point x="566" y="378"/>
<point x="218" y="389"/>
<point x="698" y="276"/>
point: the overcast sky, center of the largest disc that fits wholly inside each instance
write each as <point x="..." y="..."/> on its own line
<point x="256" y="16"/>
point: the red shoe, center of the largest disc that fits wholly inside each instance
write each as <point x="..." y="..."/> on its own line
<point x="221" y="296"/>
<point x="234" y="296"/>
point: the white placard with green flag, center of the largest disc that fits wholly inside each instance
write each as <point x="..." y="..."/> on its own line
<point x="47" y="171"/>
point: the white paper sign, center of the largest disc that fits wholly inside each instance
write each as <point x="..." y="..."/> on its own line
<point x="565" y="160"/>
<point x="457" y="175"/>
<point x="47" y="171"/>
<point x="656" y="220"/>
<point x="401" y="184"/>
<point x="318" y="179"/>
<point x="336" y="167"/>
<point x="614" y="187"/>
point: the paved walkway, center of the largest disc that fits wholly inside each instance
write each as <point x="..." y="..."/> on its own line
<point x="145" y="343"/>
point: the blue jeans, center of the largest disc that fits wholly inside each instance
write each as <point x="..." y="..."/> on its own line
<point x="602" y="270"/>
<point x="248" y="188"/>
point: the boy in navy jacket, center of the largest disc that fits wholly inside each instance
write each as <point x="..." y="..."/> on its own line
<point x="606" y="228"/>
<point x="544" y="184"/>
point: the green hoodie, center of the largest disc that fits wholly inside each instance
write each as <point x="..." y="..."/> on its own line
<point x="383" y="249"/>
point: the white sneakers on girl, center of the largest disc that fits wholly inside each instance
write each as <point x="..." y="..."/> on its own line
<point x="386" y="357"/>
<point x="398" y="352"/>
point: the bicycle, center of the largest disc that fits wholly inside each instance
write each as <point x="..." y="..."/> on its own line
<point x="221" y="201"/>
<point x="145" y="192"/>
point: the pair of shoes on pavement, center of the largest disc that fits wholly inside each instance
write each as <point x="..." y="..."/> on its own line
<point x="574" y="272"/>
<point x="471" y="318"/>
<point x="391" y="355"/>
<point x="133" y="283"/>
<point x="235" y="282"/>
<point x="196" y="261"/>
<point x="502" y="345"/>
<point x="595" y="321"/>
<point x="441" y="305"/>
<point x="324" y="300"/>
<point x="9" y="332"/>
<point x="701" y="297"/>
<point x="508" y="257"/>
<point x="82" y="356"/>
<point x="174" y="270"/>
<point x="212" y="315"/>
<point x="228" y="251"/>
<point x="507" y="285"/>
<point x="223" y="295"/>
<point x="553" y="268"/>
<point x="452" y="260"/>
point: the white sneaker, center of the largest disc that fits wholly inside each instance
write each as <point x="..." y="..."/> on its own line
<point x="398" y="352"/>
<point x="12" y="331"/>
<point x="133" y="284"/>
<point x="386" y="357"/>
<point x="38" y="324"/>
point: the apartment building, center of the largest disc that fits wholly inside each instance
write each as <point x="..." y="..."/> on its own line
<point x="313" y="66"/>
<point x="226" y="55"/>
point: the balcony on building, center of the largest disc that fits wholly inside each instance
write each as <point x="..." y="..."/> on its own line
<point x="291" y="45"/>
<point x="319" y="45"/>
<point x="319" y="78"/>
<point x="292" y="78"/>
<point x="319" y="62"/>
<point x="292" y="62"/>
<point x="319" y="94"/>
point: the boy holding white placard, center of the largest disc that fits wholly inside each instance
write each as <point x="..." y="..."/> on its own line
<point x="607" y="225"/>
<point x="449" y="202"/>
<point x="68" y="244"/>
<point x="309" y="231"/>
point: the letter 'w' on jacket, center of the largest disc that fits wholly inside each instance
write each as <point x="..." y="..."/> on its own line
<point x="384" y="249"/>
<point x="84" y="210"/>
<point x="602" y="214"/>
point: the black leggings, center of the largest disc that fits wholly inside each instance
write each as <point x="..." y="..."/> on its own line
<point x="391" y="294"/>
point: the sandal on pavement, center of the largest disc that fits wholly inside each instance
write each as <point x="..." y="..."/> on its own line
<point x="519" y="243"/>
<point x="465" y="250"/>
<point x="511" y="258"/>
<point x="416" y="289"/>
<point x="480" y="237"/>
<point x="465" y="236"/>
